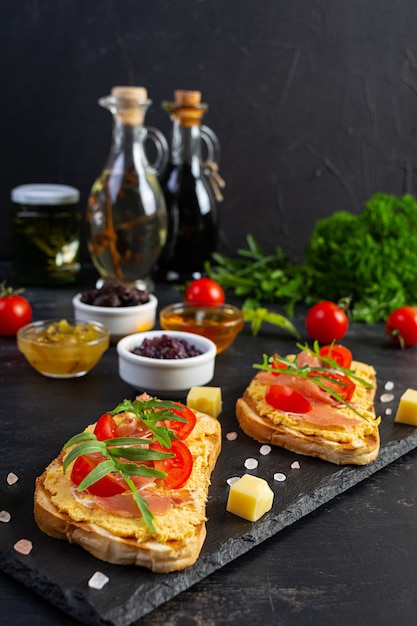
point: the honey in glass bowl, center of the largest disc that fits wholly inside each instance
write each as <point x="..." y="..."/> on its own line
<point x="221" y="324"/>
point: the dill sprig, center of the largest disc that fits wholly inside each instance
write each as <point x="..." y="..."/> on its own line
<point x="315" y="374"/>
<point x="151" y="412"/>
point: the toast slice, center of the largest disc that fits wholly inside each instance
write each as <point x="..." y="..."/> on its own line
<point x="179" y="533"/>
<point x="340" y="433"/>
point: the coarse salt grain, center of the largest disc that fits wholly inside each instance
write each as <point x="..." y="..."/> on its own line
<point x="387" y="397"/>
<point x="280" y="477"/>
<point x="5" y="516"/>
<point x="295" y="465"/>
<point x="264" y="450"/>
<point x="98" y="580"/>
<point x="251" y="463"/>
<point x="23" y="546"/>
<point x="12" y="478"/>
<point x="232" y="480"/>
<point x="388" y="411"/>
<point x="231" y="436"/>
<point x="389" y="385"/>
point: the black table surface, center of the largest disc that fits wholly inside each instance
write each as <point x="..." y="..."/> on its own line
<point x="351" y="561"/>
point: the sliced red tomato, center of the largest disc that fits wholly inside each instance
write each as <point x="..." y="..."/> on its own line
<point x="182" y="429"/>
<point x="278" y="365"/>
<point x="286" y="399"/>
<point x="105" y="427"/>
<point x="338" y="383"/>
<point x="338" y="353"/>
<point x="178" y="467"/>
<point x="109" y="485"/>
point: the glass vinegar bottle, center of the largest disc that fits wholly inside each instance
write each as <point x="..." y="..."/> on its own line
<point x="126" y="211"/>
<point x="188" y="191"/>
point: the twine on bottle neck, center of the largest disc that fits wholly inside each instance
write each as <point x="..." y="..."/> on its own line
<point x="217" y="182"/>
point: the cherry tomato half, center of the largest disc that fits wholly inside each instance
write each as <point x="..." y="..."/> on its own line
<point x="401" y="326"/>
<point x="326" y="322"/>
<point x="182" y="429"/>
<point x="15" y="312"/>
<point x="105" y="427"/>
<point x="338" y="353"/>
<point x="178" y="467"/>
<point x="109" y="485"/>
<point x="286" y="399"/>
<point x="338" y="383"/>
<point x="278" y="366"/>
<point x="204" y="292"/>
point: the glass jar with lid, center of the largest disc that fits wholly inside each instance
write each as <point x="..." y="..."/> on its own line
<point x="46" y="234"/>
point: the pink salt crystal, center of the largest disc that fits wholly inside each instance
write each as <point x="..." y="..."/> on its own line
<point x="5" y="516"/>
<point x="231" y="436"/>
<point x="23" y="546"/>
<point x="295" y="465"/>
<point x="98" y="580"/>
<point x="12" y="478"/>
<point x="387" y="397"/>
<point x="280" y="477"/>
<point x="264" y="450"/>
<point x="251" y="463"/>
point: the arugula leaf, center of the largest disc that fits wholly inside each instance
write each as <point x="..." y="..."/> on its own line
<point x="314" y="374"/>
<point x="117" y="450"/>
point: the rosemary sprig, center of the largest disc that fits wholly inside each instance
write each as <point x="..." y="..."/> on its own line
<point x="152" y="412"/>
<point x="315" y="374"/>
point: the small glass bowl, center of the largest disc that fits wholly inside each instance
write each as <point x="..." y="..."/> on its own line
<point x="63" y="348"/>
<point x="220" y="323"/>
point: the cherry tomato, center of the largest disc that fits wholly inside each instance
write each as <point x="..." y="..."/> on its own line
<point x="401" y="326"/>
<point x="286" y="399"/>
<point x="15" y="311"/>
<point x="278" y="365"/>
<point x="105" y="427"/>
<point x="338" y="353"/>
<point x="326" y="322"/>
<point x="178" y="468"/>
<point x="339" y="383"/>
<point x="182" y="429"/>
<point x="109" y="485"/>
<point x="204" y="292"/>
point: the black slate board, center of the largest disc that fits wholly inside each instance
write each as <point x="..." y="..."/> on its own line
<point x="60" y="572"/>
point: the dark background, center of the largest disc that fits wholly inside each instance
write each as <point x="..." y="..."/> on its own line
<point x="314" y="101"/>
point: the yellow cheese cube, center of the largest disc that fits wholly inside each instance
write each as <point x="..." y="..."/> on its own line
<point x="250" y="497"/>
<point x="205" y="399"/>
<point x="407" y="408"/>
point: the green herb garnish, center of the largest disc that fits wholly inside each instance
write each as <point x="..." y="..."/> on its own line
<point x="371" y="257"/>
<point x="314" y="374"/>
<point x="151" y="413"/>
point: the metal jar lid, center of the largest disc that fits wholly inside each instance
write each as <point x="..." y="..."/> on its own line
<point x="38" y="194"/>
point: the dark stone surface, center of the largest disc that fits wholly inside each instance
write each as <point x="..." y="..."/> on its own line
<point x="38" y="415"/>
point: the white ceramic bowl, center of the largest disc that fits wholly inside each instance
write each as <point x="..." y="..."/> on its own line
<point x="120" y="321"/>
<point x="166" y="377"/>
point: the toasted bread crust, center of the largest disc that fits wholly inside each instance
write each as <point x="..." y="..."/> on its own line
<point x="264" y="430"/>
<point x="159" y="556"/>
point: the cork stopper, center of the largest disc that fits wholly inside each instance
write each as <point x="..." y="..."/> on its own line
<point x="130" y="93"/>
<point x="133" y="104"/>
<point x="187" y="107"/>
<point x="187" y="98"/>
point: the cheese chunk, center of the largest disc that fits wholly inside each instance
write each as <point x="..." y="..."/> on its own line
<point x="407" y="408"/>
<point x="250" y="497"/>
<point x="205" y="399"/>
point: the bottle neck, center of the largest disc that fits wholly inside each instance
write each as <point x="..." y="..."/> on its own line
<point x="186" y="146"/>
<point x="127" y="148"/>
